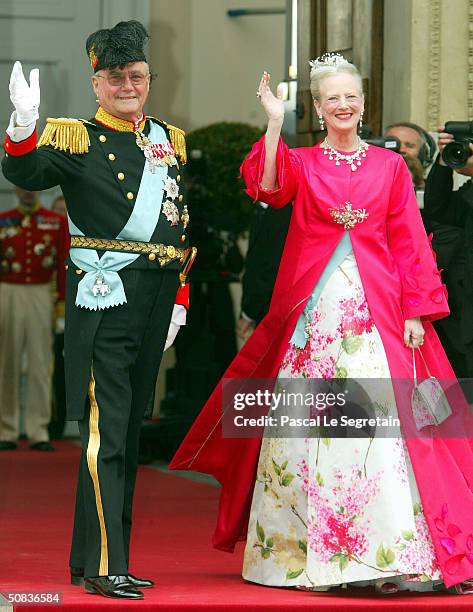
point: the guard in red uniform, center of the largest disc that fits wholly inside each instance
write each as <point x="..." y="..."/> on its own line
<point x="33" y="247"/>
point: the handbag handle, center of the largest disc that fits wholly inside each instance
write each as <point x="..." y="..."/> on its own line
<point x="414" y="364"/>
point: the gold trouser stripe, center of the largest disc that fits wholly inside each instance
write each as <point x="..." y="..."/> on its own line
<point x="92" y="453"/>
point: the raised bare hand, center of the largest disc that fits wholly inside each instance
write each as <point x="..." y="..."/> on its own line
<point x="444" y="138"/>
<point x="273" y="105"/>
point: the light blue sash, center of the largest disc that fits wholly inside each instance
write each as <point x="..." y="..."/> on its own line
<point x="102" y="286"/>
<point x="343" y="249"/>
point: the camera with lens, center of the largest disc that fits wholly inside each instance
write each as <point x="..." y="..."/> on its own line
<point x="387" y="142"/>
<point x="456" y="153"/>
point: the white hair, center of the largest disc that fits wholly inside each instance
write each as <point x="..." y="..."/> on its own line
<point x="329" y="65"/>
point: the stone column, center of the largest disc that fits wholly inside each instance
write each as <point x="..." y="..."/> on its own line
<point x="428" y="61"/>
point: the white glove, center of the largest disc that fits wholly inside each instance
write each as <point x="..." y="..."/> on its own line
<point x="60" y="325"/>
<point x="179" y="315"/>
<point x="25" y="98"/>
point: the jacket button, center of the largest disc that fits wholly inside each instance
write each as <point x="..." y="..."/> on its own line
<point x="111" y="157"/>
<point x="130" y="195"/>
<point x="102" y="138"/>
<point x="78" y="271"/>
<point x="152" y="256"/>
<point x="121" y="176"/>
<point x="181" y="197"/>
<point x="178" y="178"/>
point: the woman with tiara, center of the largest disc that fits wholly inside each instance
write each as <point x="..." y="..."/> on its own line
<point x="356" y="292"/>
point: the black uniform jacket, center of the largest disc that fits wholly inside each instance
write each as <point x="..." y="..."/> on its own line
<point x="444" y="205"/>
<point x="100" y="188"/>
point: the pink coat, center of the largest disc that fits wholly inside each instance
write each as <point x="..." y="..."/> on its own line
<point x="401" y="281"/>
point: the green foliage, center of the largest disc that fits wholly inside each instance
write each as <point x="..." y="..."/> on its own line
<point x="293" y="574"/>
<point x="384" y="556"/>
<point x="217" y="197"/>
<point x="352" y="343"/>
<point x="260" y="532"/>
<point x="303" y="546"/>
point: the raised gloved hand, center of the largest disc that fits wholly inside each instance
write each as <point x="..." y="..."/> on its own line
<point x="25" y="97"/>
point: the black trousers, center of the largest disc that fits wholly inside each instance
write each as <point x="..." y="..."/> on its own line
<point x="127" y="352"/>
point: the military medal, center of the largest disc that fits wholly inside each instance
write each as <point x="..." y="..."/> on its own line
<point x="10" y="252"/>
<point x="156" y="154"/>
<point x="171" y="188"/>
<point x="185" y="218"/>
<point x="171" y="211"/>
<point x="16" y="267"/>
<point x="11" y="232"/>
<point x="39" y="248"/>
<point x="100" y="288"/>
<point x="47" y="262"/>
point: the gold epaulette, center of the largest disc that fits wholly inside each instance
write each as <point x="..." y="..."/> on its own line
<point x="66" y="135"/>
<point x="178" y="139"/>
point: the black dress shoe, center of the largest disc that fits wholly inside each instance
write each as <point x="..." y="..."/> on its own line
<point x="77" y="579"/>
<point x="4" y="445"/>
<point x="118" y="587"/>
<point x="42" y="446"/>
<point x="140" y="583"/>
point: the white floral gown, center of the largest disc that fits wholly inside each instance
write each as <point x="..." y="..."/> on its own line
<point x="330" y="511"/>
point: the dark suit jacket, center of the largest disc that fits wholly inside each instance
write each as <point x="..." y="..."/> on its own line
<point x="443" y="205"/>
<point x="266" y="243"/>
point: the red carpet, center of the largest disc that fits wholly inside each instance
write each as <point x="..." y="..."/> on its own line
<point x="174" y="518"/>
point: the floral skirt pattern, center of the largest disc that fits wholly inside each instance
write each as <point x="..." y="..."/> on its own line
<point x="329" y="511"/>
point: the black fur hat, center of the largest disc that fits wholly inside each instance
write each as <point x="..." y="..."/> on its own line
<point x="117" y="46"/>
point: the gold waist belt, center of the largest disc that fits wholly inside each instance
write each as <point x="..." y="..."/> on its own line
<point x="163" y="253"/>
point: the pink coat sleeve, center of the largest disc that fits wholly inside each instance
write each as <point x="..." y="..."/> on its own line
<point x="423" y="294"/>
<point x="288" y="171"/>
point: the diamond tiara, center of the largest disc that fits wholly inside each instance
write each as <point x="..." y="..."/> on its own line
<point x="328" y="60"/>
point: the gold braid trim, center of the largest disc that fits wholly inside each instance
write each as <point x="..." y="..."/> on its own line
<point x="66" y="135"/>
<point x="178" y="140"/>
<point x="164" y="253"/>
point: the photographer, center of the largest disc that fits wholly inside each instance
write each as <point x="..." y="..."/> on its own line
<point x="444" y="205"/>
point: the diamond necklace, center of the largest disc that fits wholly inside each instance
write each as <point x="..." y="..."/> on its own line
<point x="353" y="160"/>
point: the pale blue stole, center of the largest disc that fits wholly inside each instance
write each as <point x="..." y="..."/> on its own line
<point x="343" y="249"/>
<point x="102" y="286"/>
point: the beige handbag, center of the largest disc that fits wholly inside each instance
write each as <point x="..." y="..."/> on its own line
<point x="429" y="403"/>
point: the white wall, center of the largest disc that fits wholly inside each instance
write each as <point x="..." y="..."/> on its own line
<point x="208" y="64"/>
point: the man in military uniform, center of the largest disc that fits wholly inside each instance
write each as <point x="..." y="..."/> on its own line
<point x="120" y="174"/>
<point x="33" y="247"/>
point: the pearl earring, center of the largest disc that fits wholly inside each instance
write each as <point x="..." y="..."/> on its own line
<point x="321" y="121"/>
<point x="361" y="119"/>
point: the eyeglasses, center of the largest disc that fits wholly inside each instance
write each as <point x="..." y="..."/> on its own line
<point x="116" y="80"/>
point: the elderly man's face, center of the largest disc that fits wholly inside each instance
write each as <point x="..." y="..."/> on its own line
<point x="410" y="140"/>
<point x="27" y="199"/>
<point x="123" y="92"/>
